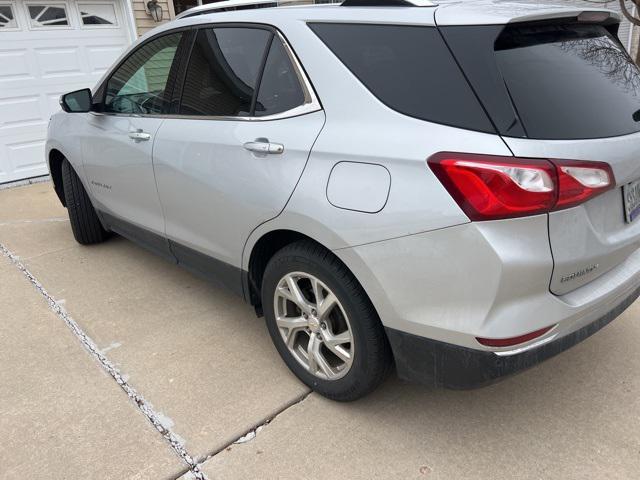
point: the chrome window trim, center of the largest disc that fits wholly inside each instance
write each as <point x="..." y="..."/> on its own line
<point x="311" y="102"/>
<point x="309" y="93"/>
<point x="294" y="112"/>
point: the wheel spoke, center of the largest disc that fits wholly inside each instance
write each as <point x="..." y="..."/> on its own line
<point x="317" y="362"/>
<point x="340" y="352"/>
<point x="296" y="295"/>
<point x="339" y="339"/>
<point x="324" y="366"/>
<point x="317" y="291"/>
<point x="291" y="322"/>
<point x="311" y="353"/>
<point x="293" y="326"/>
<point x="324" y="308"/>
<point x="334" y="344"/>
<point x="284" y="292"/>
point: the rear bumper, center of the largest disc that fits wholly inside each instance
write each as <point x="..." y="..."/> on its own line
<point x="446" y="365"/>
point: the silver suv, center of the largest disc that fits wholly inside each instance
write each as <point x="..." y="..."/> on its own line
<point x="453" y="189"/>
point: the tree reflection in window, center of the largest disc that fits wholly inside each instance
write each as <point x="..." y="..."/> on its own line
<point x="48" y="15"/>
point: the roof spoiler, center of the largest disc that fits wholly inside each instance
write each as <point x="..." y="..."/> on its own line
<point x="485" y="12"/>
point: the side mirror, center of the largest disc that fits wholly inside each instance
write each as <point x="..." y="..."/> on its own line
<point x="76" y="102"/>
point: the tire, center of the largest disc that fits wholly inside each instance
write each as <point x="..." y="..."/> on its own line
<point x="85" y="223"/>
<point x="370" y="358"/>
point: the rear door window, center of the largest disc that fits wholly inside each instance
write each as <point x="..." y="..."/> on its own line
<point x="409" y="69"/>
<point x="280" y="88"/>
<point x="551" y="81"/>
<point x="223" y="71"/>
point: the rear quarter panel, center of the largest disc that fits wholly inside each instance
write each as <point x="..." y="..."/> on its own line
<point x="359" y="128"/>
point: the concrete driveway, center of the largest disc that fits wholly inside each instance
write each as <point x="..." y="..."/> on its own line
<point x="117" y="364"/>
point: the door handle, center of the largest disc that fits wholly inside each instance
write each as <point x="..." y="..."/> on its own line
<point x="139" y="135"/>
<point x="261" y="145"/>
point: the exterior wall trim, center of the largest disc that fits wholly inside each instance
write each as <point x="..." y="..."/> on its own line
<point x="127" y="6"/>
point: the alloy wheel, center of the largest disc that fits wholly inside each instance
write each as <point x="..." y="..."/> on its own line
<point x="314" y="325"/>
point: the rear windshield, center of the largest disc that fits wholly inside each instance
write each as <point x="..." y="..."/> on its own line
<point x="409" y="69"/>
<point x="551" y="81"/>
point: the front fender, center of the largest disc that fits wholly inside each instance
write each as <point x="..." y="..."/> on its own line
<point x="63" y="136"/>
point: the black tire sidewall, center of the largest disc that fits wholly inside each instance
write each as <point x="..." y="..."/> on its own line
<point x="85" y="224"/>
<point x="352" y="298"/>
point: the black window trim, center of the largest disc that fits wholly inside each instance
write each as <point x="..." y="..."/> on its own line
<point x="311" y="103"/>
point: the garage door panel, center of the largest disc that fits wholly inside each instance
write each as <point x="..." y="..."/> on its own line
<point x="52" y="101"/>
<point x="16" y="112"/>
<point x="23" y="159"/>
<point x="101" y="56"/>
<point x="54" y="62"/>
<point x="39" y="63"/>
<point x="15" y="65"/>
<point x="26" y="157"/>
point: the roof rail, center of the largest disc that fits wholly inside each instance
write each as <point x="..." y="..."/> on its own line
<point x="388" y="3"/>
<point x="226" y="6"/>
<point x="229" y="5"/>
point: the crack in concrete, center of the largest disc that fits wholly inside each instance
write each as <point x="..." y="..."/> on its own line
<point x="156" y="419"/>
<point x="40" y="220"/>
<point x="252" y="432"/>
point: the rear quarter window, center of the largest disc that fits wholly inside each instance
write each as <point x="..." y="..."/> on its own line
<point x="409" y="69"/>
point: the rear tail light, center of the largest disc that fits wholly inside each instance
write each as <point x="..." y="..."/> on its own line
<point x="510" y="342"/>
<point x="489" y="187"/>
<point x="580" y="181"/>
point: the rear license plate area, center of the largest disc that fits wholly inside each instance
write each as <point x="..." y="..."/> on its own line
<point x="631" y="198"/>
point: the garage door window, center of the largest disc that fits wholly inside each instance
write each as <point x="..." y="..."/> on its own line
<point x="7" y="18"/>
<point x="97" y="14"/>
<point x="47" y="16"/>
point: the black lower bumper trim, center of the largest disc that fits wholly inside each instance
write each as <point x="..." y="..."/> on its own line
<point x="440" y="364"/>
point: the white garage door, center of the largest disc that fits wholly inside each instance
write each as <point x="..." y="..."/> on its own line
<point x="48" y="48"/>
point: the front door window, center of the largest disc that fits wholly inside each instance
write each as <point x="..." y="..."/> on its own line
<point x="138" y="86"/>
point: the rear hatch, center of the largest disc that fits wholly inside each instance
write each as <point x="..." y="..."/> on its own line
<point x="565" y="88"/>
